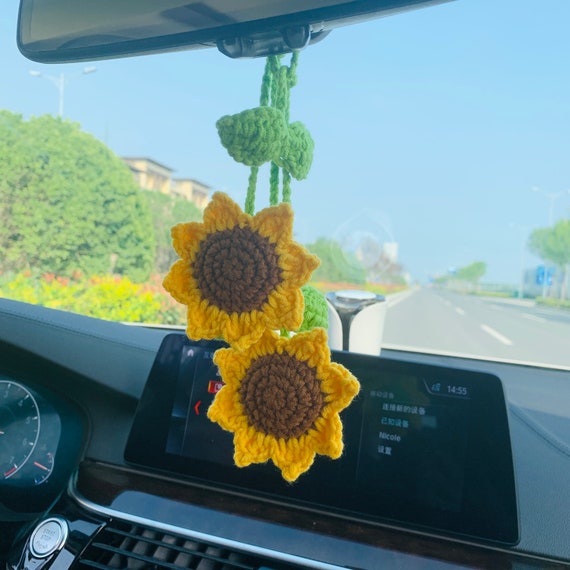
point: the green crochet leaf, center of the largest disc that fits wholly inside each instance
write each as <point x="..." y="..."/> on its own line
<point x="316" y="312"/>
<point x="297" y="155"/>
<point x="255" y="136"/>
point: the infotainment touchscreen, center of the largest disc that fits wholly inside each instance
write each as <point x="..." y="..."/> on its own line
<point x="425" y="446"/>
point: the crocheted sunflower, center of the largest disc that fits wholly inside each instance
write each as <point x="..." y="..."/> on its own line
<point x="243" y="278"/>
<point x="281" y="399"/>
<point x="239" y="274"/>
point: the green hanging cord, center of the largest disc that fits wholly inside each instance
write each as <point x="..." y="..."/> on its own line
<point x="286" y="186"/>
<point x="290" y="80"/>
<point x="292" y="73"/>
<point x="285" y="91"/>
<point x="266" y="82"/>
<point x="280" y="97"/>
<point x="274" y="185"/>
<point x="264" y="99"/>
<point x="250" y="196"/>
<point x="275" y="64"/>
<point x="280" y="91"/>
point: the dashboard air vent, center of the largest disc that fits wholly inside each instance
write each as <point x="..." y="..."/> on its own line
<point x="133" y="547"/>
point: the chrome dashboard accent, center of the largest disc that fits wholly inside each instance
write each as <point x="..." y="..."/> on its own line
<point x="48" y="537"/>
<point x="226" y="543"/>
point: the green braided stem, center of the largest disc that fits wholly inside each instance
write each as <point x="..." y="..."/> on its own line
<point x="250" y="196"/>
<point x="286" y="78"/>
<point x="274" y="185"/>
<point x="264" y="96"/>
<point x="266" y="84"/>
<point x="292" y="73"/>
<point x="280" y="92"/>
<point x="286" y="187"/>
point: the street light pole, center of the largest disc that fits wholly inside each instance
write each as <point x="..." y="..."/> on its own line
<point x="551" y="197"/>
<point x="59" y="81"/>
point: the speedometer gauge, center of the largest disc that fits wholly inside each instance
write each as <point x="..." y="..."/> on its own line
<point x="19" y="427"/>
<point x="40" y="440"/>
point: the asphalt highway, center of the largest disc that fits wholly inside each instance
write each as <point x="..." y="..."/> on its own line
<point x="433" y="320"/>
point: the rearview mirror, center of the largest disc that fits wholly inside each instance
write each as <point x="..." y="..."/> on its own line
<point x="57" y="31"/>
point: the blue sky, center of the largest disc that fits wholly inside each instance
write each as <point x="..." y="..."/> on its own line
<point x="431" y="127"/>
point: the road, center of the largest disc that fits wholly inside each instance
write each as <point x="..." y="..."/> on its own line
<point x="442" y="321"/>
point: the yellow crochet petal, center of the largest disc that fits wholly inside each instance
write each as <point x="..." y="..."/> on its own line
<point x="231" y="366"/>
<point x="226" y="411"/>
<point x="203" y="321"/>
<point x="312" y="347"/>
<point x="297" y="263"/>
<point x="327" y="437"/>
<point x="275" y="223"/>
<point x="223" y="213"/>
<point x="251" y="447"/>
<point x="284" y="309"/>
<point x="340" y="387"/>
<point x="185" y="237"/>
<point x="293" y="458"/>
<point x="242" y="330"/>
<point x="178" y="281"/>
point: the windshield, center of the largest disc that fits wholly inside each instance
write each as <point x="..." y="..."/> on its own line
<point x="440" y="176"/>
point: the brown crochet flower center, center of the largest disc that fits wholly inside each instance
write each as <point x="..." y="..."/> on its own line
<point x="237" y="270"/>
<point x="281" y="395"/>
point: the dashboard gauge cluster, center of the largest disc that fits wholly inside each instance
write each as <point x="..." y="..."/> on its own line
<point x="40" y="439"/>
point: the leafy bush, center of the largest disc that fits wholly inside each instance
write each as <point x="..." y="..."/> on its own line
<point x="550" y="302"/>
<point x="336" y="264"/>
<point x="378" y="288"/>
<point x="167" y="211"/>
<point x="68" y="202"/>
<point x="499" y="294"/>
<point x="107" y="297"/>
<point x="117" y="298"/>
<point x="171" y="312"/>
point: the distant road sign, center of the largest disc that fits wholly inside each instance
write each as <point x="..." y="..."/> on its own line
<point x="542" y="273"/>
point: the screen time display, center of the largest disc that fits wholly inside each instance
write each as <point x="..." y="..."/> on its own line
<point x="426" y="446"/>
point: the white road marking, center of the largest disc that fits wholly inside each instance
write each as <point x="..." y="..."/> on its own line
<point x="459" y="311"/>
<point x="495" y="308"/>
<point x="534" y="318"/>
<point x="497" y="335"/>
<point x="393" y="300"/>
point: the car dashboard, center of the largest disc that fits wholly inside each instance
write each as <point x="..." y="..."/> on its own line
<point x="102" y="489"/>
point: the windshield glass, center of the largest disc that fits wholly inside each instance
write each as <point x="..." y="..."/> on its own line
<point x="440" y="176"/>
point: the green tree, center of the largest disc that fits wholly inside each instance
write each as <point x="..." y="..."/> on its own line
<point x="337" y="265"/>
<point x="168" y="211"/>
<point x="472" y="273"/>
<point x="553" y="244"/>
<point x="68" y="203"/>
<point x="465" y="278"/>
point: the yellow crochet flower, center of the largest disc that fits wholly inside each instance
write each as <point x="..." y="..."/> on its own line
<point x="281" y="399"/>
<point x="239" y="274"/>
